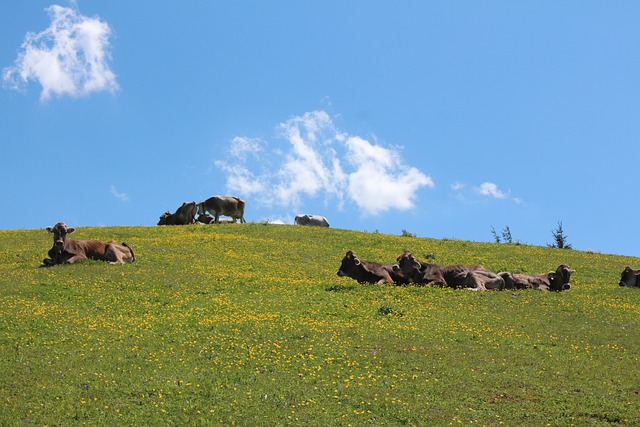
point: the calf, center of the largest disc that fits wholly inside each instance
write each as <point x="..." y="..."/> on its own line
<point x="558" y="280"/>
<point x="456" y="276"/>
<point x="67" y="251"/>
<point x="205" y="219"/>
<point x="368" y="272"/>
<point x="630" y="277"/>
<point x="223" y="205"/>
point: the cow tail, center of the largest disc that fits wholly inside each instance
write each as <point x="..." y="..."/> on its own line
<point x="133" y="257"/>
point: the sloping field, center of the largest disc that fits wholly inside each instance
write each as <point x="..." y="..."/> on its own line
<point x="250" y="325"/>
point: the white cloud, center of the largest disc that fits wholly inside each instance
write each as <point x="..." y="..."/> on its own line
<point x="318" y="160"/>
<point x="374" y="186"/>
<point x="457" y="186"/>
<point x="120" y="196"/>
<point x="241" y="146"/>
<point x="490" y="189"/>
<point x="68" y="58"/>
<point x="240" y="179"/>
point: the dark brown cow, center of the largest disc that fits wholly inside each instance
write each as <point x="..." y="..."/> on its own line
<point x="205" y="219"/>
<point x="368" y="272"/>
<point x="223" y="205"/>
<point x="558" y="280"/>
<point x="67" y="251"/>
<point x="208" y="219"/>
<point x="185" y="214"/>
<point x="630" y="277"/>
<point x="455" y="276"/>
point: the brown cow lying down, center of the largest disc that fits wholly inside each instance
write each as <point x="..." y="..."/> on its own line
<point x="368" y="272"/>
<point x="455" y="276"/>
<point x="185" y="214"/>
<point x="208" y="219"/>
<point x="630" y="277"/>
<point x="67" y="251"/>
<point x="558" y="280"/>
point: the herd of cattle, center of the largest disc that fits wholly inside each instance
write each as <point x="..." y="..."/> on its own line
<point x="209" y="211"/>
<point x="217" y="205"/>
<point x="407" y="269"/>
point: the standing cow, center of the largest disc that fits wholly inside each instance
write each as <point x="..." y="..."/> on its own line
<point x="223" y="205"/>
<point x="67" y="251"/>
<point x="306" y="219"/>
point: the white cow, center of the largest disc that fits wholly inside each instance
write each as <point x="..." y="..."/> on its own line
<point x="306" y="219"/>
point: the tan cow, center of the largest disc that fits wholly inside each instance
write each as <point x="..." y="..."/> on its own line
<point x="223" y="205"/>
<point x="67" y="251"/>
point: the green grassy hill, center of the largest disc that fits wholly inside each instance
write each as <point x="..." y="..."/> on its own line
<point x="250" y="325"/>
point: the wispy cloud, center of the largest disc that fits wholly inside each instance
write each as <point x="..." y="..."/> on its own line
<point x="491" y="190"/>
<point x="70" y="57"/>
<point x="320" y="161"/>
<point x="120" y="196"/>
<point x="488" y="190"/>
<point x="457" y="186"/>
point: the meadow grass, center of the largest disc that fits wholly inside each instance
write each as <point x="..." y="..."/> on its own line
<point x="249" y="325"/>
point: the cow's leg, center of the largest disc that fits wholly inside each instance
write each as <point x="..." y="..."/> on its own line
<point x="490" y="280"/>
<point x="75" y="258"/>
<point x="217" y="217"/>
<point x="113" y="255"/>
<point x="474" y="282"/>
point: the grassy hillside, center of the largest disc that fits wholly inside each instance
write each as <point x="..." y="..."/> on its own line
<point x="250" y="325"/>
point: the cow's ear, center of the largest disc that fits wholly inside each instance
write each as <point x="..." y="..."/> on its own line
<point x="49" y="229"/>
<point x="70" y="230"/>
<point x="357" y="260"/>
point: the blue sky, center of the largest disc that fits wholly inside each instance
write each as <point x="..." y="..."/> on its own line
<point x="440" y="118"/>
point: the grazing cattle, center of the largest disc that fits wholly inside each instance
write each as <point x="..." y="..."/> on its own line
<point x="315" y="220"/>
<point x="185" y="214"/>
<point x="630" y="277"/>
<point x="456" y="276"/>
<point x="67" y="251"/>
<point x="558" y="280"/>
<point x="223" y="205"/>
<point x="368" y="272"/>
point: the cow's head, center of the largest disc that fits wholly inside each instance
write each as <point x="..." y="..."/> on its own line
<point x="407" y="264"/>
<point x="629" y="277"/>
<point x="561" y="278"/>
<point x="350" y="263"/>
<point x="60" y="231"/>
<point x="164" y="218"/>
